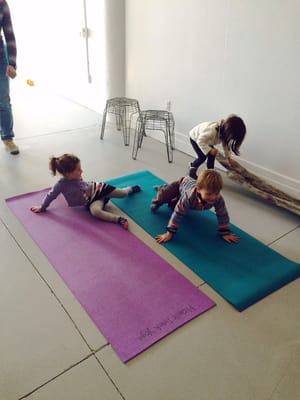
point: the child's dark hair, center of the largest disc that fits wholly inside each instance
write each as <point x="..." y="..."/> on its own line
<point x="211" y="180"/>
<point x="232" y="132"/>
<point x="63" y="164"/>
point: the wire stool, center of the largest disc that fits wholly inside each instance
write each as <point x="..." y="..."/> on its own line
<point x="124" y="109"/>
<point x="158" y="120"/>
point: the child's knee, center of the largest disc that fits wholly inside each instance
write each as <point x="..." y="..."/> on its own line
<point x="160" y="197"/>
<point x="95" y="208"/>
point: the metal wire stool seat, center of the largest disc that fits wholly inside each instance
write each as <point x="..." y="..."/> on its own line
<point x="158" y="120"/>
<point x="124" y="109"/>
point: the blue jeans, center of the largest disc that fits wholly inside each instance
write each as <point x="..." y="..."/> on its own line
<point x="6" y="118"/>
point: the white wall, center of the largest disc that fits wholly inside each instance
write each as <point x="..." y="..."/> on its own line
<point x="215" y="57"/>
<point x="115" y="47"/>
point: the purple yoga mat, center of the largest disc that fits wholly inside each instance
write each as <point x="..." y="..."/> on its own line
<point x="133" y="296"/>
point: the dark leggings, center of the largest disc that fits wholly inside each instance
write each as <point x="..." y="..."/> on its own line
<point x="202" y="157"/>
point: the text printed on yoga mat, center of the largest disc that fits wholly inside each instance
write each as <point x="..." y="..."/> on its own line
<point x="167" y="321"/>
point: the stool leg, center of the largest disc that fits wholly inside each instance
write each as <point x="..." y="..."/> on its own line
<point x="103" y="121"/>
<point x="142" y="132"/>
<point x="138" y="137"/>
<point x="172" y="135"/>
<point x="119" y="121"/>
<point x="141" y="135"/>
<point x="126" y="124"/>
<point x="140" y="117"/>
<point x="169" y="143"/>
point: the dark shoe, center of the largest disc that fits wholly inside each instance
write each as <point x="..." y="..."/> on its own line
<point x="135" y="189"/>
<point x="123" y="222"/>
<point x="192" y="172"/>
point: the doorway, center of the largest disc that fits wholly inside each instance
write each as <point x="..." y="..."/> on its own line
<point x="61" y="47"/>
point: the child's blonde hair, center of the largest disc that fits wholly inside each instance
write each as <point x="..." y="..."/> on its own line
<point x="210" y="180"/>
<point x="63" y="164"/>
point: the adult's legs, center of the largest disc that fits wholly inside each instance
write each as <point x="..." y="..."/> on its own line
<point x="6" y="118"/>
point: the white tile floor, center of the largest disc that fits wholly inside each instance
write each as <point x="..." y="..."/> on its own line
<point x="49" y="348"/>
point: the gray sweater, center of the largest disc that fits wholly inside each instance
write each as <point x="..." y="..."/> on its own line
<point x="77" y="192"/>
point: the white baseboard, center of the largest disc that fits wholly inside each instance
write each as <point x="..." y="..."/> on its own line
<point x="282" y="182"/>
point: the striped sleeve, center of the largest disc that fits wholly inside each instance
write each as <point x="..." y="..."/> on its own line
<point x="222" y="216"/>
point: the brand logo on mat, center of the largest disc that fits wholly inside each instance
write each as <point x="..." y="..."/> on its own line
<point x="180" y="314"/>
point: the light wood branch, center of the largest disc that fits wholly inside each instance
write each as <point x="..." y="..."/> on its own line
<point x="259" y="186"/>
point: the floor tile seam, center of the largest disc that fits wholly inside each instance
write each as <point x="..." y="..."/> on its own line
<point x="48" y="286"/>
<point x="280" y="379"/>
<point x="57" y="376"/>
<point x="283" y="235"/>
<point x="110" y="378"/>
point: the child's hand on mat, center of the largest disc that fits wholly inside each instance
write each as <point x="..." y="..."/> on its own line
<point x="35" y="209"/>
<point x="165" y="237"/>
<point x="231" y="237"/>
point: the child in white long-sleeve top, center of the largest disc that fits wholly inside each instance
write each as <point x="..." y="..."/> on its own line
<point x="230" y="132"/>
<point x="77" y="192"/>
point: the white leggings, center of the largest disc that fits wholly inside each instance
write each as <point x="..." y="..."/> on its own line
<point x="97" y="207"/>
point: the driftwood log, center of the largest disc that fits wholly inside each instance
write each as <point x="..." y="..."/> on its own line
<point x="259" y="186"/>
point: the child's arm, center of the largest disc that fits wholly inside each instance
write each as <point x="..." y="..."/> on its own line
<point x="227" y="153"/>
<point x="180" y="210"/>
<point x="223" y="221"/>
<point x="213" y="151"/>
<point x="50" y="196"/>
<point x="204" y="141"/>
<point x="172" y="226"/>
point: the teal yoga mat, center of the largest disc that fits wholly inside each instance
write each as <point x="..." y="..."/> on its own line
<point x="242" y="273"/>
